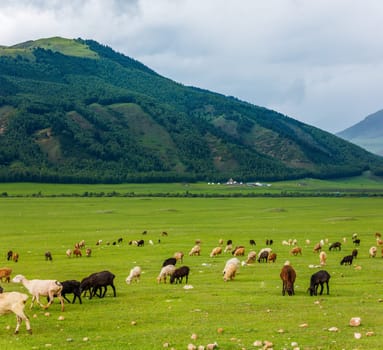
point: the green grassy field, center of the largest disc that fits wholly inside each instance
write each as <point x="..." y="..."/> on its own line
<point x="147" y="315"/>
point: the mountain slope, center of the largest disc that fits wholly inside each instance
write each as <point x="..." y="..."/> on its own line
<point x="77" y="111"/>
<point x="368" y="133"/>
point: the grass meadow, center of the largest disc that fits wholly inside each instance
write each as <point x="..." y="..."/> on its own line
<point x="147" y="315"/>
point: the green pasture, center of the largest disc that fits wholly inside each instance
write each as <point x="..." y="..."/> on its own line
<point x="147" y="315"/>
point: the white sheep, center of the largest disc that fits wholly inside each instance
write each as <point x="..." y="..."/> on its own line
<point x="15" y="302"/>
<point x="46" y="288"/>
<point x="372" y="251"/>
<point x="230" y="271"/>
<point x="234" y="261"/>
<point x="322" y="258"/>
<point x="167" y="270"/>
<point x="196" y="250"/>
<point x="134" y="275"/>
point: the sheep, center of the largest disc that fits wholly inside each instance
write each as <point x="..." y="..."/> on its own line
<point x="354" y="253"/>
<point x="5" y="273"/>
<point x="81" y="244"/>
<point x="317" y="248"/>
<point x="167" y="270"/>
<point x="336" y="245"/>
<point x="216" y="251"/>
<point x="88" y="252"/>
<point x="169" y="261"/>
<point x="288" y="276"/>
<point x="295" y="251"/>
<point x="372" y="251"/>
<point x="77" y="252"/>
<point x="196" y="250"/>
<point x="251" y="257"/>
<point x="230" y="271"/>
<point x="134" y="275"/>
<point x="38" y="288"/>
<point x="231" y="261"/>
<point x="263" y="255"/>
<point x="9" y="255"/>
<point x="15" y="257"/>
<point x="229" y="248"/>
<point x="356" y="242"/>
<point x="96" y="281"/>
<point x="179" y="274"/>
<point x="269" y="242"/>
<point x="347" y="260"/>
<point x="71" y="287"/>
<point x="68" y="253"/>
<point x="48" y="256"/>
<point x="140" y="243"/>
<point x="239" y="251"/>
<point x="179" y="256"/>
<point x="322" y="258"/>
<point x="272" y="257"/>
<point x="15" y="302"/>
<point x="252" y="242"/>
<point x="319" y="278"/>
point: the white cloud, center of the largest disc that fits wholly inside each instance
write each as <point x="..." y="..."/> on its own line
<point x="317" y="61"/>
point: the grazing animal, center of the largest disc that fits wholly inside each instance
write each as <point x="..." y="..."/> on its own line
<point x="15" y="257"/>
<point x="179" y="256"/>
<point x="179" y="274"/>
<point x="15" y="302"/>
<point x="288" y="276"/>
<point x="230" y="271"/>
<point x="9" y="255"/>
<point x="77" y="253"/>
<point x="317" y="248"/>
<point x="71" y="287"/>
<point x="239" y="251"/>
<point x="335" y="246"/>
<point x="196" y="250"/>
<point x="229" y="241"/>
<point x="269" y="242"/>
<point x="318" y="279"/>
<point x="68" y="253"/>
<point x="295" y="251"/>
<point x="216" y="251"/>
<point x="119" y="240"/>
<point x="232" y="261"/>
<point x="252" y="242"/>
<point x="134" y="275"/>
<point x="322" y="258"/>
<point x="88" y="252"/>
<point x="97" y="281"/>
<point x="356" y="242"/>
<point x="228" y="248"/>
<point x="372" y="251"/>
<point x="251" y="257"/>
<point x="378" y="235"/>
<point x="166" y="271"/>
<point x="164" y="233"/>
<point x="5" y="273"/>
<point x="347" y="260"/>
<point x="354" y="253"/>
<point x="140" y="243"/>
<point x="272" y="257"/>
<point x="48" y="256"/>
<point x="263" y="256"/>
<point x="169" y="261"/>
<point x="46" y="288"/>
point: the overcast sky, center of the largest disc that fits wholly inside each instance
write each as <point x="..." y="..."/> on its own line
<point x="318" y="61"/>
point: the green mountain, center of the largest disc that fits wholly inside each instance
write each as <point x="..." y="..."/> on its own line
<point x="77" y="111"/>
<point x="367" y="134"/>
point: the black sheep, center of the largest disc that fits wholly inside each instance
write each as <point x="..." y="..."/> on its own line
<point x="252" y="242"/>
<point x="319" y="278"/>
<point x="354" y="253"/>
<point x="336" y="245"/>
<point x="263" y="256"/>
<point x="179" y="274"/>
<point x="71" y="287"/>
<point x="347" y="260"/>
<point x="96" y="281"/>
<point x="48" y="256"/>
<point x="169" y="261"/>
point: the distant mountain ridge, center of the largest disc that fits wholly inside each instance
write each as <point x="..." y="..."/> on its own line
<point x="77" y="111"/>
<point x="368" y="133"/>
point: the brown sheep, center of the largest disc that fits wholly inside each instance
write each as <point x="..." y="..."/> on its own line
<point x="77" y="252"/>
<point x="5" y="273"/>
<point x="288" y="276"/>
<point x="15" y="257"/>
<point x="196" y="250"/>
<point x="295" y="251"/>
<point x="216" y="251"/>
<point x="272" y="257"/>
<point x="179" y="256"/>
<point x="239" y="251"/>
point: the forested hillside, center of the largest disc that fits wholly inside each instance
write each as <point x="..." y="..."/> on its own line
<point x="77" y="111"/>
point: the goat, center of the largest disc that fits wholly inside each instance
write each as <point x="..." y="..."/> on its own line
<point x="179" y="274"/>
<point x="38" y="288"/>
<point x="347" y="260"/>
<point x="336" y="245"/>
<point x="169" y="261"/>
<point x="48" y="256"/>
<point x="5" y="273"/>
<point x="196" y="250"/>
<point x="239" y="251"/>
<point x="134" y="275"/>
<point x="216" y="251"/>
<point x="15" y="302"/>
<point x="96" y="281"/>
<point x="319" y="278"/>
<point x="288" y="276"/>
<point x="167" y="270"/>
<point x="295" y="251"/>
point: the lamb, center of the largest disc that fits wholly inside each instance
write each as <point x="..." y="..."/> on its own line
<point x="134" y="275"/>
<point x="179" y="274"/>
<point x="167" y="270"/>
<point x="37" y="288"/>
<point x="96" y="281"/>
<point x="15" y="302"/>
<point x="322" y="258"/>
<point x="319" y="278"/>
<point x="216" y="251"/>
<point x="5" y="273"/>
<point x="196" y="250"/>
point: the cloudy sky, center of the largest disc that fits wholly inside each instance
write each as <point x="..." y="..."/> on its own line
<point x="318" y="61"/>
